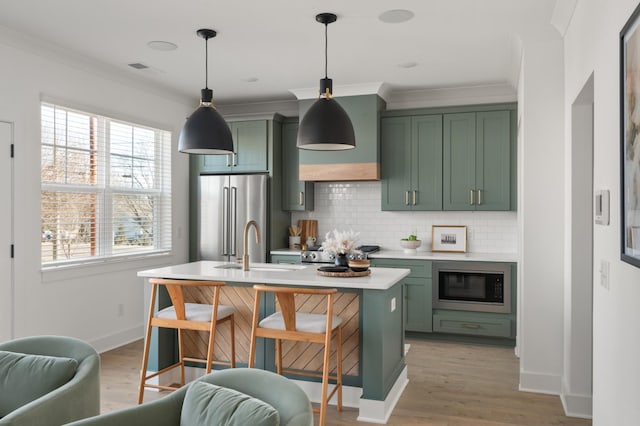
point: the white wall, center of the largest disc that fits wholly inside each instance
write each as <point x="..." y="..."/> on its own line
<point x="84" y="302"/>
<point x="540" y="95"/>
<point x="591" y="46"/>
<point x="356" y="205"/>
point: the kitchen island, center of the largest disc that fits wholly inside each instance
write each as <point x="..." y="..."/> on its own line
<point x="370" y="306"/>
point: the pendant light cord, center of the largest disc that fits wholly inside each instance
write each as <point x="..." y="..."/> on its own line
<point x="206" y="63"/>
<point x="326" y="48"/>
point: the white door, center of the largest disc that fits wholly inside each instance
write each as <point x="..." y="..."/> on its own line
<point x="6" y="232"/>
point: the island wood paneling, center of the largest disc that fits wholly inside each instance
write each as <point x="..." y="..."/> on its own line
<point x="296" y="355"/>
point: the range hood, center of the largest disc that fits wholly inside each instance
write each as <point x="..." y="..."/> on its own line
<point x="359" y="164"/>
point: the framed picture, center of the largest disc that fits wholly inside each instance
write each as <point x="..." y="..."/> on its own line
<point x="630" y="139"/>
<point x="449" y="238"/>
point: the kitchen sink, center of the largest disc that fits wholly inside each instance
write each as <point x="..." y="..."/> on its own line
<point x="229" y="266"/>
<point x="263" y="267"/>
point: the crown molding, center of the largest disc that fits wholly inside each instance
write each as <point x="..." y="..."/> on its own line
<point x="378" y="88"/>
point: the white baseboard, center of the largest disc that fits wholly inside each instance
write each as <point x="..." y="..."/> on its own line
<point x="577" y="406"/>
<point x="540" y="383"/>
<point x="350" y="394"/>
<point x="374" y="411"/>
<point x="115" y="340"/>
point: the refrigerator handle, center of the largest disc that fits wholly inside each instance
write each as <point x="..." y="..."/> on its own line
<point x="234" y="218"/>
<point x="225" y="221"/>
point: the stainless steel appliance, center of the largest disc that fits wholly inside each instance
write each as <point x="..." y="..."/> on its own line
<point x="469" y="286"/>
<point x="316" y="255"/>
<point x="227" y="203"/>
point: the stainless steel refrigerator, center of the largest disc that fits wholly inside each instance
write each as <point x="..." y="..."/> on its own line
<point x="227" y="203"/>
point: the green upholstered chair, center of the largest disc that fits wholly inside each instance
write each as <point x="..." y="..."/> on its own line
<point x="289" y="400"/>
<point x="77" y="398"/>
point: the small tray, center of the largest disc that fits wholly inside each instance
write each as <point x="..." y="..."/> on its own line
<point x="346" y="274"/>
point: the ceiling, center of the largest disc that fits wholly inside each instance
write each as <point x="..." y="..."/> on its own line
<point x="264" y="49"/>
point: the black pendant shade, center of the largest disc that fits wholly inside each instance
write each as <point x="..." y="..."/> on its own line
<point x="205" y="131"/>
<point x="326" y="125"/>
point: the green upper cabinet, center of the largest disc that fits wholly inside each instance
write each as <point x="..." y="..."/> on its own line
<point x="477" y="161"/>
<point x="250" y="145"/>
<point x="360" y="163"/>
<point x="411" y="165"/>
<point x="297" y="195"/>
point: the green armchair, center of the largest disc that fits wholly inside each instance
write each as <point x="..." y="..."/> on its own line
<point x="289" y="400"/>
<point x="77" y="398"/>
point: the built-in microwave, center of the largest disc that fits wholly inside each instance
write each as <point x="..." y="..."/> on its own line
<point x="472" y="286"/>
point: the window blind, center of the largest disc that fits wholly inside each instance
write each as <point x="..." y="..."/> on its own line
<point x="106" y="187"/>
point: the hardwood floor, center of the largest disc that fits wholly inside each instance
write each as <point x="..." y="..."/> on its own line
<point x="449" y="384"/>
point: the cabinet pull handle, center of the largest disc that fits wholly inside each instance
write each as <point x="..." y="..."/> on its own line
<point x="471" y="197"/>
<point x="406" y="198"/>
<point x="301" y="198"/>
<point x="473" y="326"/>
<point x="479" y="196"/>
<point x="235" y="159"/>
<point x="228" y="160"/>
<point x="415" y="197"/>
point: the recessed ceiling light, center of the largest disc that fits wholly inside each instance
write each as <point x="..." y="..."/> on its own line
<point x="408" y="65"/>
<point x="163" y="46"/>
<point x="250" y="79"/>
<point x="396" y="16"/>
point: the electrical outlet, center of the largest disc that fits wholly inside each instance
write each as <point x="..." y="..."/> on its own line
<point x="604" y="274"/>
<point x="393" y="304"/>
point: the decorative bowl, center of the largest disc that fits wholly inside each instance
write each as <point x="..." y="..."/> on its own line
<point x="410" y="246"/>
<point x="359" y="265"/>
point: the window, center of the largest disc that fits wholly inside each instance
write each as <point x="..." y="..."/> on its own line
<point x="106" y="187"/>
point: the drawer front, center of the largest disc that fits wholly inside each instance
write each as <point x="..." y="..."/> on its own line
<point x="496" y="327"/>
<point x="419" y="268"/>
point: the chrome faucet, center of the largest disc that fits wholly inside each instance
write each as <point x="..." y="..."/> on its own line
<point x="245" y="247"/>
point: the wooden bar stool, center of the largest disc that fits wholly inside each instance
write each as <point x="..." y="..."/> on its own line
<point x="186" y="316"/>
<point x="288" y="324"/>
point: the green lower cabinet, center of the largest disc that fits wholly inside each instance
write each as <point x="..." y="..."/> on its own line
<point x="472" y="323"/>
<point x="417" y="292"/>
<point x="291" y="259"/>
<point x="417" y="305"/>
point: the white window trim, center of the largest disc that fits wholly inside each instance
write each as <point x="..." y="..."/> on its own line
<point x="104" y="195"/>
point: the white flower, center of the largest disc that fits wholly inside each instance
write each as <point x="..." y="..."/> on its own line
<point x="342" y="242"/>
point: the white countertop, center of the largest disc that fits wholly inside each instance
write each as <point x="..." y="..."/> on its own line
<point x="270" y="273"/>
<point x="427" y="255"/>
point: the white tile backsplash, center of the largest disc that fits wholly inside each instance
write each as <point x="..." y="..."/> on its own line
<point x="356" y="205"/>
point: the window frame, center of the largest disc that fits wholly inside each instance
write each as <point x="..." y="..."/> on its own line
<point x="105" y="192"/>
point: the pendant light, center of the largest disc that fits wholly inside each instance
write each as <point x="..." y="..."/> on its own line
<point x="326" y="126"/>
<point x="205" y="131"/>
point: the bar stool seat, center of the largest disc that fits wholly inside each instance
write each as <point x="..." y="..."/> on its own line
<point x="289" y="324"/>
<point x="305" y="322"/>
<point x="186" y="316"/>
<point x="197" y="312"/>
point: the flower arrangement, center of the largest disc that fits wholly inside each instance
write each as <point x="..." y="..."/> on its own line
<point x="341" y="243"/>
